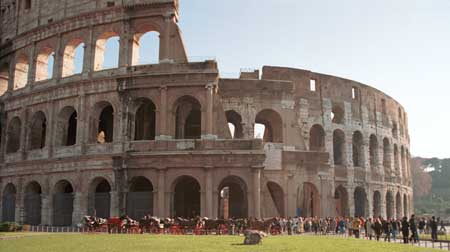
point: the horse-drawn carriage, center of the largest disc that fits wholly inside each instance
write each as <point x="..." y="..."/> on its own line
<point x="123" y="224"/>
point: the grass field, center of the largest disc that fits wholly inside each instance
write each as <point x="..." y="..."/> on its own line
<point x="138" y="243"/>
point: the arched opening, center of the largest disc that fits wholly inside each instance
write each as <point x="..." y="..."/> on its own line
<point x="357" y="145"/>
<point x="235" y="120"/>
<point x="73" y="58"/>
<point x="105" y="127"/>
<point x="341" y="201"/>
<point x="33" y="203"/>
<point x="373" y="151"/>
<point x="273" y="126"/>
<point x="308" y="201"/>
<point x="398" y="205"/>
<point x="9" y="203"/>
<point x="4" y="78"/>
<point x="140" y="198"/>
<point x="405" y="206"/>
<point x="394" y="130"/>
<point x="38" y="131"/>
<point x="13" y="135"/>
<point x="339" y="147"/>
<point x="188" y="118"/>
<point x="21" y="72"/>
<point x="232" y="196"/>
<point x="145" y="120"/>
<point x="27" y="4"/>
<point x="360" y="198"/>
<point x="389" y="205"/>
<point x="396" y="161"/>
<point x="386" y="156"/>
<point x="63" y="203"/>
<point x="67" y="127"/>
<point x="44" y="64"/>
<point x="337" y="114"/>
<point x="100" y="198"/>
<point x="376" y="204"/>
<point x="107" y="49"/>
<point x="316" y="138"/>
<point x="146" y="48"/>
<point x="277" y="196"/>
<point x="403" y="162"/>
<point x="186" y="199"/>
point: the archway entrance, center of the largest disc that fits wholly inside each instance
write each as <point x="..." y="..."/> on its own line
<point x="63" y="204"/>
<point x="277" y="195"/>
<point x="360" y="202"/>
<point x="186" y="199"/>
<point x="9" y="203"/>
<point x="308" y="201"/>
<point x="341" y="198"/>
<point x="232" y="196"/>
<point x="376" y="204"/>
<point x="140" y="198"/>
<point x="100" y="198"/>
<point x="33" y="203"/>
<point x="389" y="205"/>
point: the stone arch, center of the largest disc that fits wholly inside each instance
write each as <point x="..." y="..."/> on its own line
<point x="394" y="130"/>
<point x="339" y="147"/>
<point x="308" y="200"/>
<point x="63" y="198"/>
<point x="358" y="151"/>
<point x="405" y="205"/>
<point x="33" y="203"/>
<point x="361" y="202"/>
<point x="145" y="120"/>
<point x="387" y="156"/>
<point x="341" y="201"/>
<point x="188" y="118"/>
<point x="146" y="39"/>
<point x="73" y="57"/>
<point x="99" y="202"/>
<point x="186" y="200"/>
<point x="44" y="64"/>
<point x="38" y="131"/>
<point x="9" y="203"/>
<point x="21" y="71"/>
<point x="140" y="198"/>
<point x="106" y="45"/>
<point x="390" y="204"/>
<point x="403" y="162"/>
<point x="235" y="119"/>
<point x="373" y="152"/>
<point x="317" y="138"/>
<point x="273" y="125"/>
<point x="277" y="196"/>
<point x="14" y="135"/>
<point x="66" y="130"/>
<point x="104" y="122"/>
<point x="337" y="114"/>
<point x="396" y="160"/>
<point x="233" y="201"/>
<point x="398" y="205"/>
<point x="376" y="204"/>
<point x="4" y="78"/>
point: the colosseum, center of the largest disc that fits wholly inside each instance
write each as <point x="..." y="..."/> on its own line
<point x="173" y="138"/>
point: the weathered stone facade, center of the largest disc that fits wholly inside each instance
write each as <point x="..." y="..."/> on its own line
<point x="154" y="138"/>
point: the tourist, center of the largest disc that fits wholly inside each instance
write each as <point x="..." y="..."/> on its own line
<point x="421" y="225"/>
<point x="405" y="229"/>
<point x="356" y="225"/>
<point x="395" y="228"/>
<point x="378" y="228"/>
<point x="412" y="226"/>
<point x="369" y="229"/>
<point x="387" y="227"/>
<point x="434" y="229"/>
<point x="443" y="229"/>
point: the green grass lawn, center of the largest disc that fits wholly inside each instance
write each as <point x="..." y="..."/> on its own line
<point x="137" y="243"/>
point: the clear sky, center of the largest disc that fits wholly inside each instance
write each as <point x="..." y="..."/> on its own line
<point x="401" y="47"/>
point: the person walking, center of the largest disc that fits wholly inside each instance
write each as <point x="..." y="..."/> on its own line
<point x="434" y="229"/>
<point x="412" y="226"/>
<point x="356" y="226"/>
<point x="405" y="230"/>
<point x="369" y="227"/>
<point x="378" y="228"/>
<point x="395" y="228"/>
<point x="387" y="227"/>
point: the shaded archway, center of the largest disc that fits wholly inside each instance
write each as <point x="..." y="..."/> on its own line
<point x="339" y="147"/>
<point x="396" y="160"/>
<point x="360" y="199"/>
<point x="341" y="201"/>
<point x="145" y="120"/>
<point x="389" y="205"/>
<point x="13" y="135"/>
<point x="67" y="127"/>
<point x="387" y="157"/>
<point x="100" y="198"/>
<point x="357" y="145"/>
<point x="186" y="199"/>
<point x="236" y="120"/>
<point x="104" y="123"/>
<point x="38" y="131"/>
<point x="233" y="202"/>
<point x="107" y="50"/>
<point x="316" y="138"/>
<point x="140" y="198"/>
<point x="277" y="196"/>
<point x="376" y="204"/>
<point x="188" y="118"/>
<point x="337" y="114"/>
<point x="33" y="203"/>
<point x="273" y="125"/>
<point x="308" y="200"/>
<point x="373" y="152"/>
<point x="44" y="64"/>
<point x="4" y="78"/>
<point x="63" y="203"/>
<point x="9" y="203"/>
<point x="21" y="72"/>
<point x="398" y="205"/>
<point x="405" y="206"/>
<point x="73" y="58"/>
<point x="145" y="40"/>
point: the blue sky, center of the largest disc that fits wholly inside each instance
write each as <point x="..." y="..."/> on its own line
<point x="401" y="47"/>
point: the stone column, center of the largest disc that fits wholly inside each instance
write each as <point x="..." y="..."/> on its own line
<point x="89" y="53"/>
<point x="115" y="203"/>
<point x="208" y="192"/>
<point x="79" y="207"/>
<point x="161" y="194"/>
<point x="58" y="59"/>
<point x="163" y="131"/>
<point x="351" y="201"/>
<point x="164" y="48"/>
<point x="32" y="65"/>
<point x="370" y="202"/>
<point x="383" y="204"/>
<point x="257" y="192"/>
<point x="46" y="209"/>
<point x="126" y="45"/>
<point x="208" y="132"/>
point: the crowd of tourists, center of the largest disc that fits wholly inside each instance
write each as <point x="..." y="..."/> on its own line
<point x="370" y="228"/>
